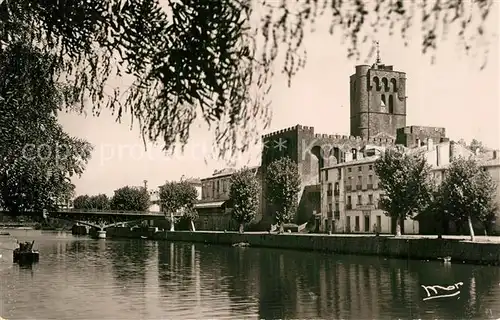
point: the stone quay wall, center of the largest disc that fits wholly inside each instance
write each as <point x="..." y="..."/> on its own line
<point x="385" y="246"/>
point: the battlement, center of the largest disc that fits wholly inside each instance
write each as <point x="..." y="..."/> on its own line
<point x="339" y="138"/>
<point x="332" y="137"/>
<point x="418" y="129"/>
<point x="296" y="128"/>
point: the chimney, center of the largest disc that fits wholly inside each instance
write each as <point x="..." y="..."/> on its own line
<point x="418" y="142"/>
<point x="430" y="144"/>
<point x="495" y="154"/>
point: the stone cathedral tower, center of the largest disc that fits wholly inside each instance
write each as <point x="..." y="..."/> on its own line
<point x="378" y="101"/>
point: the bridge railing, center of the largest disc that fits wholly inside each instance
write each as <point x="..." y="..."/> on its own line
<point x="100" y="211"/>
<point x="107" y="211"/>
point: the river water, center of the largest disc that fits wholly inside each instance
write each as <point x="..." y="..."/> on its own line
<point x="82" y="278"/>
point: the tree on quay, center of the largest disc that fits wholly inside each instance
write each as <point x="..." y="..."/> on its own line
<point x="179" y="196"/>
<point x="82" y="202"/>
<point x="244" y="195"/>
<point x="130" y="199"/>
<point x="205" y="59"/>
<point x="467" y="194"/>
<point x="100" y="202"/>
<point x="97" y="202"/>
<point x="283" y="187"/>
<point x="405" y="179"/>
<point x="436" y="210"/>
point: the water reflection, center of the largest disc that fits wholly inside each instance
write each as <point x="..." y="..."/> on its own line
<point x="288" y="284"/>
<point x="81" y="278"/>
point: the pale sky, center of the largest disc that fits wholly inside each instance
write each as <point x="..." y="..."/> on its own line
<point x="453" y="93"/>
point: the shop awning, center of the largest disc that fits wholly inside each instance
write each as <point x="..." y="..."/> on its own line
<point x="209" y="205"/>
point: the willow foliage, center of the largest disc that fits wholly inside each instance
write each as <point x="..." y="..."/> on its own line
<point x="206" y="59"/>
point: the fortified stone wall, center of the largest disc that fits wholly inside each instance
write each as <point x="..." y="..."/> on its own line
<point x="410" y="136"/>
<point x="311" y="151"/>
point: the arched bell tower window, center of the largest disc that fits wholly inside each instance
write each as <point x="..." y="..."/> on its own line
<point x="376" y="80"/>
<point x="383" y="102"/>
<point x="386" y="84"/>
<point x="391" y="104"/>
<point x="394" y="85"/>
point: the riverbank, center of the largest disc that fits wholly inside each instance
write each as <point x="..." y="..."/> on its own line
<point x="411" y="247"/>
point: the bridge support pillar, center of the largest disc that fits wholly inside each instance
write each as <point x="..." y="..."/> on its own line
<point x="101" y="234"/>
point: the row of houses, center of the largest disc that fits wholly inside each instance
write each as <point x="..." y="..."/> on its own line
<point x="349" y="191"/>
<point x="339" y="188"/>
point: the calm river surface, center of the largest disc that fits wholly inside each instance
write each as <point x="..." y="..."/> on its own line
<point x="81" y="278"/>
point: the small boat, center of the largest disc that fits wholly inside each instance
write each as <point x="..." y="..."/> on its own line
<point x="144" y="237"/>
<point x="25" y="254"/>
<point x="241" y="244"/>
<point x="3" y="233"/>
<point x="446" y="259"/>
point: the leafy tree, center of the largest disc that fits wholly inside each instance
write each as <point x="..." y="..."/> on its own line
<point x="244" y="195"/>
<point x="436" y="210"/>
<point x="203" y="59"/>
<point x="190" y="215"/>
<point x="476" y="145"/>
<point x="468" y="193"/>
<point x="130" y="199"/>
<point x="179" y="196"/>
<point x="405" y="179"/>
<point x="100" y="202"/>
<point x="37" y="158"/>
<point x="283" y="187"/>
<point x="82" y="202"/>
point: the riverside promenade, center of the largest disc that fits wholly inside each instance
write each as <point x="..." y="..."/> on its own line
<point x="484" y="250"/>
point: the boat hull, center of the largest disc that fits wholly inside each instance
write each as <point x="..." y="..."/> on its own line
<point x="26" y="257"/>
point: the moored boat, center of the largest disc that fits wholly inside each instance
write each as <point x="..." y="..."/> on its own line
<point x="25" y="253"/>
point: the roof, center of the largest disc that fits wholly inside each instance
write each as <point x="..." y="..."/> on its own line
<point x="481" y="161"/>
<point x="490" y="163"/>
<point x="195" y="181"/>
<point x="365" y="160"/>
<point x="488" y="158"/>
<point x="225" y="172"/>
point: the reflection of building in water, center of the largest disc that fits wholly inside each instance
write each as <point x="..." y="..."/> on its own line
<point x="287" y="284"/>
<point x="339" y="290"/>
<point x="207" y="289"/>
<point x="195" y="275"/>
<point x="61" y="248"/>
<point x="151" y="295"/>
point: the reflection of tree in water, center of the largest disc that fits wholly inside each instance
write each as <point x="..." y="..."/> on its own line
<point x="291" y="284"/>
<point x="175" y="269"/>
<point x="243" y="267"/>
<point x="129" y="260"/>
<point x="78" y="249"/>
<point x="188" y="271"/>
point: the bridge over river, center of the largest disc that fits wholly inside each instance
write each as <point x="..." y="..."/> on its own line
<point x="102" y="219"/>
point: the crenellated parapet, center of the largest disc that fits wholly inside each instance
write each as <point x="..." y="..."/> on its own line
<point x="343" y="139"/>
<point x="297" y="128"/>
<point x="305" y="131"/>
